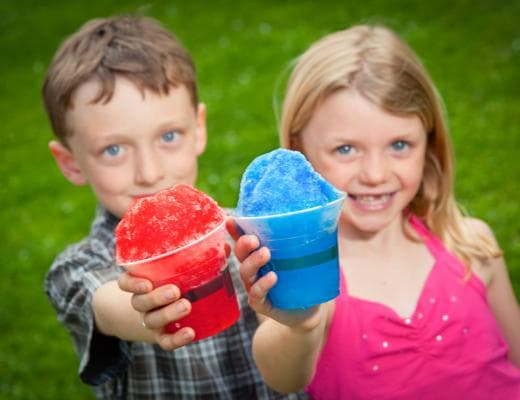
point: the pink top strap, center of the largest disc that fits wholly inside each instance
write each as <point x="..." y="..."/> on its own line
<point x="449" y="348"/>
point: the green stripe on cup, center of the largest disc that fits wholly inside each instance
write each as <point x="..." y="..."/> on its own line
<point x="309" y="260"/>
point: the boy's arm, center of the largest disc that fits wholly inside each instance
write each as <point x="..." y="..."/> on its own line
<point x="286" y="345"/>
<point x="130" y="310"/>
<point x="70" y="285"/>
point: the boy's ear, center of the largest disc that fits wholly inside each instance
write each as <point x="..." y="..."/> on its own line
<point x="200" y="129"/>
<point x="67" y="164"/>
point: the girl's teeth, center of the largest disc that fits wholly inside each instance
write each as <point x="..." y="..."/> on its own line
<point x="373" y="200"/>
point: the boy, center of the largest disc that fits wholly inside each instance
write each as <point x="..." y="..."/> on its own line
<point x="122" y="100"/>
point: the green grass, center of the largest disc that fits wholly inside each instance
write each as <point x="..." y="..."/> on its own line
<point x="472" y="49"/>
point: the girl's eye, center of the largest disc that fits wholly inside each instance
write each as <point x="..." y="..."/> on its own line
<point x="400" y="145"/>
<point x="345" y="149"/>
<point x="113" y="150"/>
<point x="169" y="136"/>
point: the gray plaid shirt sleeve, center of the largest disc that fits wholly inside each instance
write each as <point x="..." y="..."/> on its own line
<point x="70" y="284"/>
<point x="219" y="367"/>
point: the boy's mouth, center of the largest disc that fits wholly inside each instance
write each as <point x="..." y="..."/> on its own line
<point x="142" y="196"/>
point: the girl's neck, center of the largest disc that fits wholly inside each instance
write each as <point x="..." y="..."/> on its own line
<point x="389" y="266"/>
<point x="383" y="241"/>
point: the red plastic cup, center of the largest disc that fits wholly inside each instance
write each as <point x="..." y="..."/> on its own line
<point x="199" y="270"/>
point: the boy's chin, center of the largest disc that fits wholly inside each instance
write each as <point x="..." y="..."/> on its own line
<point x="116" y="210"/>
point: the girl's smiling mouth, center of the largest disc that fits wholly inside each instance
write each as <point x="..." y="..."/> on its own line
<point x="371" y="202"/>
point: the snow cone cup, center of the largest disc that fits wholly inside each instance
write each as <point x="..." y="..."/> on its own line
<point x="304" y="253"/>
<point x="199" y="270"/>
<point x="177" y="236"/>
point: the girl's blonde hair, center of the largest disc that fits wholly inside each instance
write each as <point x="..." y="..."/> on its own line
<point x="376" y="63"/>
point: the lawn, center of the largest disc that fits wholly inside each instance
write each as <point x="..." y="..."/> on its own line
<point x="472" y="49"/>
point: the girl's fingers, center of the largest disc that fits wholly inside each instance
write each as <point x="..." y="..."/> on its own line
<point x="250" y="266"/>
<point x="258" y="293"/>
<point x="245" y="245"/>
<point x="232" y="228"/>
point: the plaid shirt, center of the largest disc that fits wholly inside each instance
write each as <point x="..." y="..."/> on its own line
<point x="220" y="367"/>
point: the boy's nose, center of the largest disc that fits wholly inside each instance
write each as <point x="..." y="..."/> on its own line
<point x="374" y="169"/>
<point x="149" y="169"/>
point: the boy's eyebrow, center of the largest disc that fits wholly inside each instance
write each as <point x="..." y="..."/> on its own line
<point x="172" y="121"/>
<point x="167" y="123"/>
<point x="108" y="138"/>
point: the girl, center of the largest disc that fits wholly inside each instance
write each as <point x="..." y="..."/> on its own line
<point x="426" y="309"/>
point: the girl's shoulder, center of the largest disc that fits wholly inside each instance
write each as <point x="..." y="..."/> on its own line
<point x="480" y="228"/>
<point x="485" y="269"/>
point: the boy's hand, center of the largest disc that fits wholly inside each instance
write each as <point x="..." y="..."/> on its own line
<point x="158" y="307"/>
<point x="252" y="257"/>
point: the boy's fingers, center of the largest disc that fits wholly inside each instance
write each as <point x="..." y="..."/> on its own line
<point x="132" y="284"/>
<point x="156" y="298"/>
<point x="157" y="319"/>
<point x="172" y="341"/>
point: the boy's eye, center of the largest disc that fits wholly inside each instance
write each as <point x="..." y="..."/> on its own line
<point x="169" y="136"/>
<point x="400" y="145"/>
<point x="345" y="149"/>
<point x="112" y="150"/>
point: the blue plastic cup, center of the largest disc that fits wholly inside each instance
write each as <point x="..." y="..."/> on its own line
<point x="304" y="253"/>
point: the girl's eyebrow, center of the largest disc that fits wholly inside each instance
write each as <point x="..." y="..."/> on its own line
<point x="404" y="134"/>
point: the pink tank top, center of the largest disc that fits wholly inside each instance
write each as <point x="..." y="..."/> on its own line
<point x="449" y="348"/>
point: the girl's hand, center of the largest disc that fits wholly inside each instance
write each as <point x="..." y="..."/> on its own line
<point x="158" y="307"/>
<point x="252" y="257"/>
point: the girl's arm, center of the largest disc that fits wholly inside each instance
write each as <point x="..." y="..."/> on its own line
<point x="504" y="304"/>
<point x="502" y="299"/>
<point x="286" y="345"/>
<point x="286" y="356"/>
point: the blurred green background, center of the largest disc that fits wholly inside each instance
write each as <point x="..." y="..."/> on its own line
<point x="471" y="48"/>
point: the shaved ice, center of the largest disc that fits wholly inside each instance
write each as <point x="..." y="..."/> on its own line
<point x="177" y="236"/>
<point x="170" y="219"/>
<point x="294" y="212"/>
<point x="282" y="181"/>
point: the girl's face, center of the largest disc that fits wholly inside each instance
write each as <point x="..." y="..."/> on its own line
<point x="374" y="156"/>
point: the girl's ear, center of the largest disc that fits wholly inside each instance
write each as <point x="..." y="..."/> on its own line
<point x="67" y="163"/>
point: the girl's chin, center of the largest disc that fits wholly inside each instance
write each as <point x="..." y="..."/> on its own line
<point x="366" y="222"/>
<point x="366" y="228"/>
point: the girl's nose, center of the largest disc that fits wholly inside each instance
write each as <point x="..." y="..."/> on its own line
<point x="149" y="169"/>
<point x="374" y="169"/>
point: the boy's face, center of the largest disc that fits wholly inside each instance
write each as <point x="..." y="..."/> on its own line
<point x="131" y="146"/>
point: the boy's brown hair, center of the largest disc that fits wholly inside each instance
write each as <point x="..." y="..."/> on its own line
<point x="136" y="48"/>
